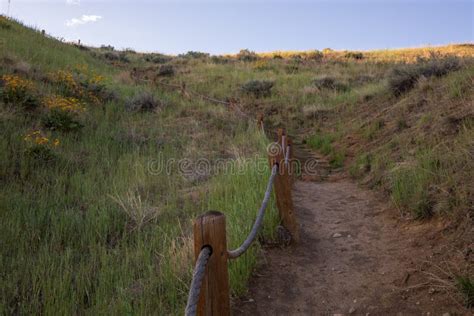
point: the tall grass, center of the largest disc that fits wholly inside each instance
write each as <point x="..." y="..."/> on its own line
<point x="411" y="183"/>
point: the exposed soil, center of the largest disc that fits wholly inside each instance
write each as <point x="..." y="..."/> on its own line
<point x="356" y="256"/>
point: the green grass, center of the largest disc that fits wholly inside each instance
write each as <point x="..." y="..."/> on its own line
<point x="239" y="196"/>
<point x="95" y="231"/>
<point x="410" y="184"/>
<point x="466" y="287"/>
<point x="361" y="165"/>
<point x="323" y="143"/>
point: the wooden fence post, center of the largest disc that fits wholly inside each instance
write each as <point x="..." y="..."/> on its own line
<point x="282" y="186"/>
<point x="209" y="230"/>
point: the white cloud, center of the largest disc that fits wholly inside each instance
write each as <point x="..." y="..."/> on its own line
<point x="83" y="20"/>
<point x="73" y="2"/>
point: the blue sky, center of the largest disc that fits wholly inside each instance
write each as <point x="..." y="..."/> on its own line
<point x="228" y="26"/>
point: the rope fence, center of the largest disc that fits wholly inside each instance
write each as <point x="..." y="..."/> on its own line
<point x="258" y="222"/>
<point x="198" y="275"/>
<point x="209" y="293"/>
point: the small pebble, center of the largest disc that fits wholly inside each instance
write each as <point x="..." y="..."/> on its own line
<point x="336" y="235"/>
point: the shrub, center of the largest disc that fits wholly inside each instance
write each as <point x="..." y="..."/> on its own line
<point x="64" y="104"/>
<point x="62" y="121"/>
<point x="107" y="47"/>
<point x="246" y="55"/>
<point x="157" y="58"/>
<point x="315" y="55"/>
<point x="259" y="88"/>
<point x="101" y="92"/>
<point x="39" y="147"/>
<point x="354" y="55"/>
<point x="196" y="55"/>
<point x="166" y="70"/>
<point x="143" y="102"/>
<point x="112" y="56"/>
<point x="327" y="50"/>
<point x="21" y="68"/>
<point x="83" y="84"/>
<point x="327" y="82"/>
<point x="123" y="57"/>
<point x="220" y="60"/>
<point x="4" y="23"/>
<point x="261" y="65"/>
<point x="18" y="91"/>
<point x="403" y="78"/>
<point x="277" y="56"/>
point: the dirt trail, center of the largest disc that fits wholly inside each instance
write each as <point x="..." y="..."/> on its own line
<point x="355" y="257"/>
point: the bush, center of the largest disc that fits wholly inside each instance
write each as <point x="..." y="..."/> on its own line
<point x="246" y="55"/>
<point x="220" y="60"/>
<point x="196" y="55"/>
<point x="102" y="92"/>
<point x="107" y="47"/>
<point x="123" y="57"/>
<point x="259" y="88"/>
<point x="112" y="56"/>
<point x="18" y="91"/>
<point x="62" y="121"/>
<point x="166" y="70"/>
<point x="143" y="102"/>
<point x="327" y="82"/>
<point x="315" y="55"/>
<point x="39" y="147"/>
<point x="261" y="64"/>
<point x="157" y="58"/>
<point x="4" y="23"/>
<point x="327" y="50"/>
<point x="354" y="55"/>
<point x="403" y="78"/>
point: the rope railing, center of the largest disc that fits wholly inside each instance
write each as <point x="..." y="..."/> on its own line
<point x="258" y="222"/>
<point x="287" y="155"/>
<point x="198" y="276"/>
<point x="209" y="292"/>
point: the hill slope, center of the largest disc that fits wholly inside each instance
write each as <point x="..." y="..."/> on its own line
<point x="96" y="211"/>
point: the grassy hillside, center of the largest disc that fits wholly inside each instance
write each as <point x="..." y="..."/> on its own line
<point x="89" y="224"/>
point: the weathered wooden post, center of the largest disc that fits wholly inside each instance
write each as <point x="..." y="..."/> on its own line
<point x="282" y="186"/>
<point x="209" y="230"/>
